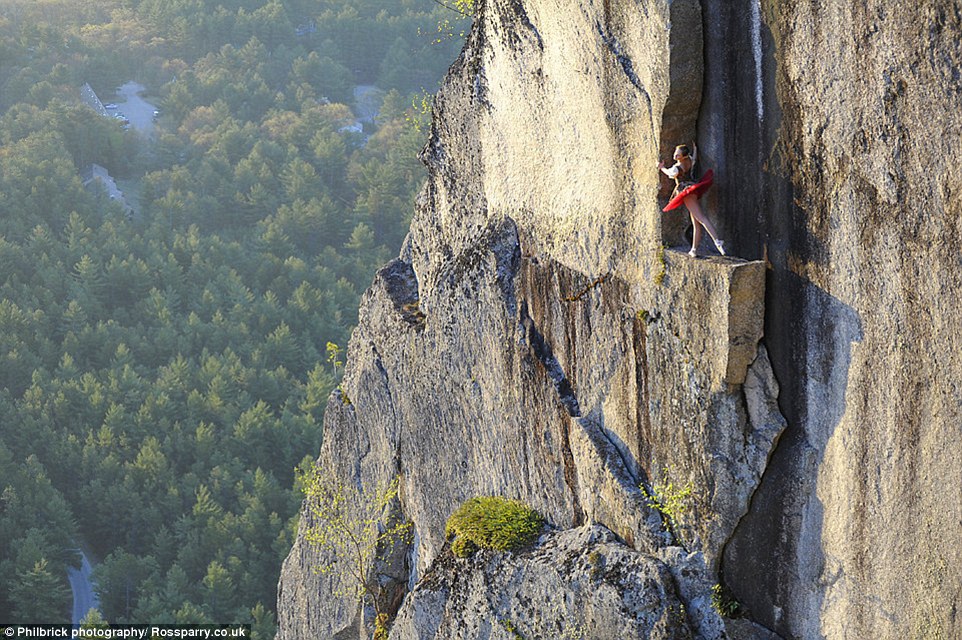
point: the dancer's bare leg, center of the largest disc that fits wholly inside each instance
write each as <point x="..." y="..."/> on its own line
<point x="694" y="208"/>
<point x="695" y="234"/>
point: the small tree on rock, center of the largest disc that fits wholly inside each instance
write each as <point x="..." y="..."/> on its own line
<point x="355" y="528"/>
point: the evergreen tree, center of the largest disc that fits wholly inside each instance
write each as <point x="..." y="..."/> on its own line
<point x="218" y="593"/>
<point x="93" y="620"/>
<point x="38" y="596"/>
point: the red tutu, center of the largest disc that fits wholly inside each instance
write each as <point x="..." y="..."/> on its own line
<point x="694" y="190"/>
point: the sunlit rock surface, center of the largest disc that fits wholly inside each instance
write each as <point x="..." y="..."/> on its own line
<point x="712" y="418"/>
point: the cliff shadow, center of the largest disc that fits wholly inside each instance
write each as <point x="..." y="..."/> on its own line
<point x="739" y="125"/>
<point x="774" y="562"/>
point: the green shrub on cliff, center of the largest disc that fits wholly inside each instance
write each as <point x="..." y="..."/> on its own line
<point x="724" y="603"/>
<point x="671" y="501"/>
<point x="491" y="522"/>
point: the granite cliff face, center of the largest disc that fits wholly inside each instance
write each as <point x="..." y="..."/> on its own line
<point x="535" y="340"/>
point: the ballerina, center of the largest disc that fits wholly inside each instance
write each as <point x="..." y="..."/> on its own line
<point x="688" y="191"/>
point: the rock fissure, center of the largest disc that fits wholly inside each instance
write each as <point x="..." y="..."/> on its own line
<point x="756" y="425"/>
<point x="626" y="464"/>
<point x="643" y="413"/>
<point x="615" y="48"/>
<point x="552" y="367"/>
<point x="594" y="284"/>
<point x="571" y="474"/>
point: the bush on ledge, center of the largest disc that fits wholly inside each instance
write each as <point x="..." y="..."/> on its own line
<point x="491" y="522"/>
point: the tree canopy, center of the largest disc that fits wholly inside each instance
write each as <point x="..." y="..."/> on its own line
<point x="162" y="370"/>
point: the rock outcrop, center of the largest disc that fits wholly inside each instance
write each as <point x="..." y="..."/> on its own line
<point x="536" y="340"/>
<point x="710" y="418"/>
<point x="526" y="380"/>
<point x="581" y="583"/>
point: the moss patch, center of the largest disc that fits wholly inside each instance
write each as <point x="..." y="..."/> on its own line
<point x="491" y="522"/>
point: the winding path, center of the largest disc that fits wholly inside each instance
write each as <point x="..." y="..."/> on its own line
<point x="84" y="597"/>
